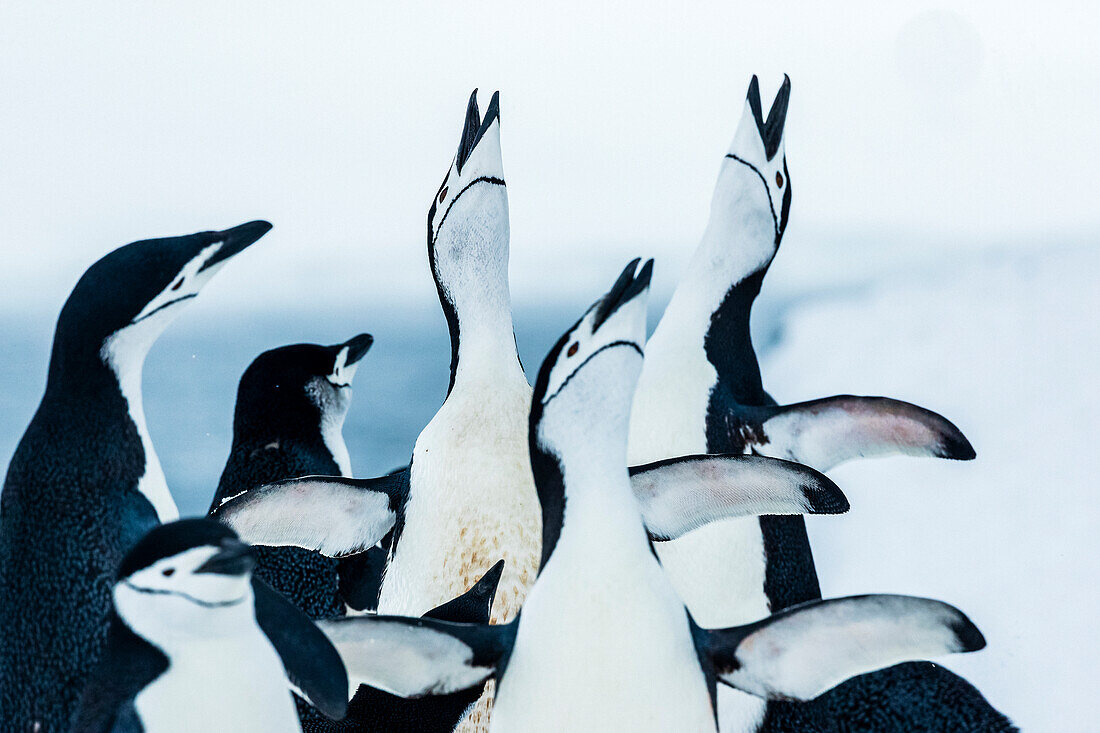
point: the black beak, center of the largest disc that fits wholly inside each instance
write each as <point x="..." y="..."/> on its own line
<point x="236" y="240"/>
<point x="475" y="127"/>
<point x="771" y="130"/>
<point x="357" y="347"/>
<point x="625" y="289"/>
<point x="234" y="558"/>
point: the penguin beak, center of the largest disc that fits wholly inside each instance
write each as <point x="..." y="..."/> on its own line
<point x="474" y="129"/>
<point x="235" y="240"/>
<point x="234" y="558"/>
<point x="771" y="130"/>
<point x="357" y="347"/>
<point x="625" y="289"/>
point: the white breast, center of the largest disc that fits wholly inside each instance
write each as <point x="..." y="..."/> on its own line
<point x="231" y="684"/>
<point x="472" y="502"/>
<point x="124" y="353"/>
<point x="717" y="570"/>
<point x="603" y="645"/>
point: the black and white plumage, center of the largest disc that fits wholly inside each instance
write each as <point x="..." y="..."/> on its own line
<point x="603" y="641"/>
<point x="291" y="406"/>
<point x="375" y="711"/>
<point x="197" y="643"/>
<point x="701" y="391"/>
<point x="85" y="483"/>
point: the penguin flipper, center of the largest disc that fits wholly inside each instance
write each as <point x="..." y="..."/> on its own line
<point x="475" y="606"/>
<point x="128" y="664"/>
<point x="333" y="515"/>
<point x="312" y="665"/>
<point x="805" y="650"/>
<point x="679" y="495"/>
<point x="828" y="431"/>
<point x="415" y="657"/>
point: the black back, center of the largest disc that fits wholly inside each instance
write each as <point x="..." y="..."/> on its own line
<point x="70" y="508"/>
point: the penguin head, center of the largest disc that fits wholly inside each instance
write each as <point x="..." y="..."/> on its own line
<point x="126" y="299"/>
<point x="296" y="388"/>
<point x="183" y="576"/>
<point x="585" y="387"/>
<point x="753" y="194"/>
<point x="468" y="219"/>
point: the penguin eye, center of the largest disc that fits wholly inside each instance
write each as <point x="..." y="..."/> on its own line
<point x="443" y="194"/>
<point x="176" y="285"/>
<point x="168" y="572"/>
<point x="573" y="349"/>
<point x="779" y="179"/>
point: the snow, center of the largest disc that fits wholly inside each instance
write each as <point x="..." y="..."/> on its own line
<point x="1005" y="346"/>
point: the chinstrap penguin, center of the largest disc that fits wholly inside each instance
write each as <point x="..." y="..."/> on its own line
<point x="291" y="406"/>
<point x="603" y="642"/>
<point x="701" y="391"/>
<point x="196" y="643"/>
<point x="85" y="483"/>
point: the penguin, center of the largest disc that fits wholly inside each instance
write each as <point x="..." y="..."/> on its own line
<point x="603" y="641"/>
<point x="84" y="483"/>
<point x="469" y="495"/>
<point x="701" y="391"/>
<point x="189" y="623"/>
<point x="291" y="405"/>
<point x="472" y="498"/>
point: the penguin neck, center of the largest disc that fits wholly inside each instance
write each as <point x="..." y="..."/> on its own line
<point x="95" y="380"/>
<point x="581" y="475"/>
<point x="483" y="341"/>
<point x="709" y="313"/>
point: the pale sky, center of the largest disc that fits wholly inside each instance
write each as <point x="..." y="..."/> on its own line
<point x="337" y="120"/>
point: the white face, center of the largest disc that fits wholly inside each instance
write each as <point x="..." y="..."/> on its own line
<point x="485" y="162"/>
<point x="747" y="169"/>
<point x="591" y="384"/>
<point x="342" y="372"/>
<point x="169" y="599"/>
<point x="128" y="346"/>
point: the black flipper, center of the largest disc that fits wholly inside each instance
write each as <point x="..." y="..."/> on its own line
<point x="312" y="665"/>
<point x="333" y="515"/>
<point x="475" y="606"/>
<point x="679" y="495"/>
<point x="414" y="657"/>
<point x="803" y="651"/>
<point x="828" y="431"/>
<point x="128" y="665"/>
<point x="360" y="576"/>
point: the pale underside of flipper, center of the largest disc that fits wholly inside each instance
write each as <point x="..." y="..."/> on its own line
<point x="806" y="650"/>
<point x="333" y="515"/>
<point x="679" y="495"/>
<point x="339" y="516"/>
<point x="414" y="657"/>
<point x="826" y="432"/>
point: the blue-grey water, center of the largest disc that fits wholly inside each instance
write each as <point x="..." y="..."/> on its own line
<point x="192" y="372"/>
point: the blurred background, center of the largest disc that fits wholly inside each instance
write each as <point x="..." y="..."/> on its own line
<point x="942" y="245"/>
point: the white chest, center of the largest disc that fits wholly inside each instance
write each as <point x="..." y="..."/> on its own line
<point x="472" y="503"/>
<point x="221" y="685"/>
<point x="717" y="570"/>
<point x="604" y="644"/>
